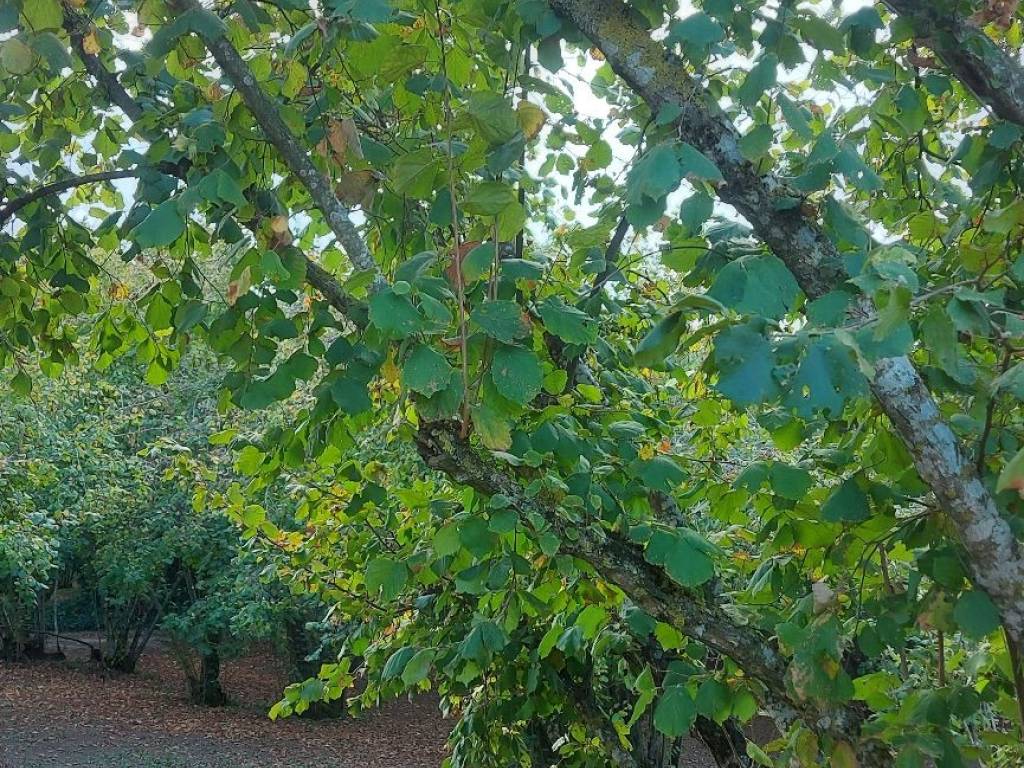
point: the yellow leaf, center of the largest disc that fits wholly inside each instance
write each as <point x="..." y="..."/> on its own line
<point x="119" y="291"/>
<point x="239" y="287"/>
<point x="843" y="756"/>
<point x="279" y="224"/>
<point x="91" y="43"/>
<point x="337" y="139"/>
<point x="531" y="118"/>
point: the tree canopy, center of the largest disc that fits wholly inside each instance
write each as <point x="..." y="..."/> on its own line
<point x="648" y="360"/>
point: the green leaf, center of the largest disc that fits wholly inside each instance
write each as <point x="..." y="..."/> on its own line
<point x="370" y="11"/>
<point x="745" y="365"/>
<point x="758" y="284"/>
<point x="351" y="396"/>
<point x="695" y="210"/>
<point x="16" y="57"/>
<point x="517" y="374"/>
<point x="43" y="14"/>
<point x="757" y="141"/>
<point x="161" y="227"/>
<point x="414" y="173"/>
<point x="394" y="314"/>
<point x="446" y="540"/>
<point x="848" y="503"/>
<point x="660" y="342"/>
<point x="426" y="371"/>
<point x="713" y="700"/>
<point x="477" y="537"/>
<point x="654" y="175"/>
<point x="695" y="165"/>
<point x="828" y="377"/>
<point x="976" y="615"/>
<point x="567" y="323"/>
<point x="675" y="712"/>
<point x="492" y="427"/>
<point x="418" y="667"/>
<point x="50" y="47"/>
<point x="698" y="30"/>
<point x="549" y="53"/>
<point x="386" y="576"/>
<point x="492" y="116"/>
<point x="489" y="198"/>
<point x="590" y="620"/>
<point x="760" y="78"/>
<point x="684" y="557"/>
<point x="821" y="34"/>
<point x="502" y="320"/>
<point x="21" y="384"/>
<point x="789" y="482"/>
<point x="396" y="663"/>
<point x="511" y="221"/>
<point x="1012" y="476"/>
<point x="797" y="117"/>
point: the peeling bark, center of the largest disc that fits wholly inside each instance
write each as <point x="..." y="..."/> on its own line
<point x="660" y="79"/>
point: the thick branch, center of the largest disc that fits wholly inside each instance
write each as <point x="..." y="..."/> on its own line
<point x="622" y="564"/>
<point x="291" y="151"/>
<point x="661" y="79"/>
<point x="8" y="211"/>
<point x="994" y="77"/>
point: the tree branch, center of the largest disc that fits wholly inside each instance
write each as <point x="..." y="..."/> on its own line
<point x="266" y="114"/>
<point x="661" y="80"/>
<point x="622" y="564"/>
<point x="77" y="25"/>
<point x="316" y="275"/>
<point x="8" y="211"/>
<point x="978" y="62"/>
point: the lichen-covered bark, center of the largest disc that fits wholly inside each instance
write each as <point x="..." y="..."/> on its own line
<point x="621" y="563"/>
<point x="660" y="78"/>
<point x="265" y="112"/>
<point x="995" y="78"/>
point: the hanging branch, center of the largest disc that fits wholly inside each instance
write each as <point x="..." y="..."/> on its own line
<point x="621" y="563"/>
<point x="8" y="211"/>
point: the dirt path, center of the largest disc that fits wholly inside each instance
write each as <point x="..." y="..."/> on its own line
<point x="71" y="715"/>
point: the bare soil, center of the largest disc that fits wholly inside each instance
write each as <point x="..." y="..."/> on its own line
<point x="71" y="714"/>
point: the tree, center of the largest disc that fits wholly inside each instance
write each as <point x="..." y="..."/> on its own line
<point x="766" y="452"/>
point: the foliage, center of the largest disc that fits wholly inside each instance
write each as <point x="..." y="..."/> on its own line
<point x="764" y="455"/>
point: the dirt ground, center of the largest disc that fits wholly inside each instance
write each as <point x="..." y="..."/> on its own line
<point x="72" y="715"/>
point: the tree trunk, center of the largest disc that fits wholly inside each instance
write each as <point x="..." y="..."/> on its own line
<point x="205" y="688"/>
<point x="301" y="645"/>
